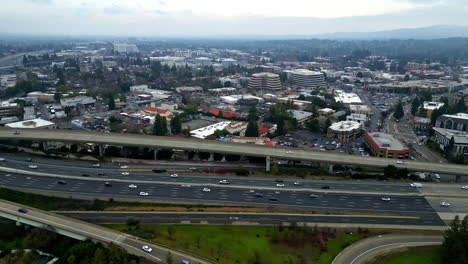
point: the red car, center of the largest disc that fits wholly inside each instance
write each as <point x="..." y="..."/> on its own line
<point x="312" y="145"/>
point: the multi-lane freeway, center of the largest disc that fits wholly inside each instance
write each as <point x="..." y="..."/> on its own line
<point x="131" y="244"/>
<point x="223" y="147"/>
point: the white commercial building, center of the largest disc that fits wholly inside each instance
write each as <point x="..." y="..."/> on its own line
<point x="347" y="98"/>
<point x="34" y="123"/>
<point x="344" y="131"/>
<point x="79" y="100"/>
<point x="125" y="48"/>
<point x="307" y="79"/>
<point x="357" y="118"/>
<point x="209" y="130"/>
<point x="260" y="82"/>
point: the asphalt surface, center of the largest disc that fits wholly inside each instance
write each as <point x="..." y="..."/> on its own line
<point x="131" y="244"/>
<point x="111" y="171"/>
<point x="223" y="147"/>
<point x="400" y="205"/>
<point x="260" y="218"/>
<point x="364" y="250"/>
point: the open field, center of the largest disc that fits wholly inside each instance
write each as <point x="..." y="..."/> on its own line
<point x="249" y="244"/>
<point x="417" y="255"/>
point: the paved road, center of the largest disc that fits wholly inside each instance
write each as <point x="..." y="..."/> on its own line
<point x="131" y="244"/>
<point x="232" y="218"/>
<point x="223" y="147"/>
<point x="113" y="171"/>
<point x="366" y="249"/>
<point x="220" y="194"/>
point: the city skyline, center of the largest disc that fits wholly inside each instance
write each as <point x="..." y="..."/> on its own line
<point x="208" y="17"/>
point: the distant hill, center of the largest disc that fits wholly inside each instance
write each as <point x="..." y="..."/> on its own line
<point x="433" y="32"/>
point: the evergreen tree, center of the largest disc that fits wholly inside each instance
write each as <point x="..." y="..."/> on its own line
<point x="253" y="113"/>
<point x="160" y="126"/>
<point x="252" y="129"/>
<point x="111" y="103"/>
<point x="449" y="148"/>
<point x="313" y="125"/>
<point x="415" y="105"/>
<point x="455" y="246"/>
<point x="399" y="112"/>
<point x="169" y="259"/>
<point x="176" y="125"/>
<point x="328" y="123"/>
<point x="460" y="106"/>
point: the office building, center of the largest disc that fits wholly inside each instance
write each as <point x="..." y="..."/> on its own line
<point x="306" y="79"/>
<point x="454" y="122"/>
<point x="265" y="81"/>
<point x="385" y="146"/>
<point x="428" y="107"/>
<point x="344" y="131"/>
<point x="442" y="137"/>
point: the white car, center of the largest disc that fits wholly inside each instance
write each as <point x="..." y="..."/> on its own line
<point x="96" y="165"/>
<point x="144" y="193"/>
<point x="223" y="182"/>
<point x="385" y="199"/>
<point x="465" y="187"/>
<point x="400" y="162"/>
<point x="445" y="204"/>
<point x="297" y="183"/>
<point x="2" y="159"/>
<point x="206" y="189"/>
<point x="416" y="185"/>
<point x="32" y="166"/>
<point x="124" y="167"/>
<point x="279" y="185"/>
<point x="125" y="173"/>
<point x="174" y="175"/>
<point x="133" y="186"/>
<point x="147" y="249"/>
<point x="289" y="152"/>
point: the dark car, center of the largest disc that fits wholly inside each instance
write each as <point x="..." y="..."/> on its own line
<point x="313" y="196"/>
<point x="273" y="199"/>
<point x="279" y="180"/>
<point x="258" y="195"/>
<point x="30" y="160"/>
<point x="85" y="175"/>
<point x="159" y="171"/>
<point x="101" y="174"/>
<point x="325" y="187"/>
<point x="62" y="182"/>
<point x="23" y="210"/>
<point x="107" y="184"/>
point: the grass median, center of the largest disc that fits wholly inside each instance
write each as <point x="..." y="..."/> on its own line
<point x="416" y="255"/>
<point x="232" y="244"/>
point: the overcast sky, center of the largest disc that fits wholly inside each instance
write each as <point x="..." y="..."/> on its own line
<point x="221" y="17"/>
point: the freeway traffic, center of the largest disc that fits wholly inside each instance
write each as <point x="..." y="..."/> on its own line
<point x="113" y="171"/>
<point x="223" y="147"/>
<point x="131" y="244"/>
<point x="257" y="218"/>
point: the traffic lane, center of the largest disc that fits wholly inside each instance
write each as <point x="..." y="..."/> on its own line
<point x="400" y="204"/>
<point x="228" y="218"/>
<point x="457" y="205"/>
<point x="360" y="252"/>
<point x="194" y="178"/>
<point x="157" y="252"/>
<point x="215" y="146"/>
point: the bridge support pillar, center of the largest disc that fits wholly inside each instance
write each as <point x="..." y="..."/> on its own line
<point x="330" y="168"/>
<point x="44" y="145"/>
<point x="268" y="163"/>
<point x="101" y="150"/>
<point x="223" y="159"/>
<point x="211" y="158"/>
<point x="155" y="151"/>
<point x="457" y="178"/>
<point x="125" y="152"/>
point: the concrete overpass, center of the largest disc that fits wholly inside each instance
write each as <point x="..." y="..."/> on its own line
<point x="82" y="230"/>
<point x="212" y="146"/>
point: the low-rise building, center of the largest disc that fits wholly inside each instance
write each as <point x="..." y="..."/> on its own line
<point x="421" y="124"/>
<point x="344" y="131"/>
<point x="300" y="116"/>
<point x="252" y="140"/>
<point x="442" y="136"/>
<point x="360" y="109"/>
<point x="204" y="132"/>
<point x="454" y="122"/>
<point x="326" y="112"/>
<point x="34" y="123"/>
<point x="189" y="89"/>
<point x="361" y="119"/>
<point x="428" y="107"/>
<point x="386" y="146"/>
<point x="347" y="98"/>
<point x="9" y="109"/>
<point x="42" y="97"/>
<point x="78" y="100"/>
